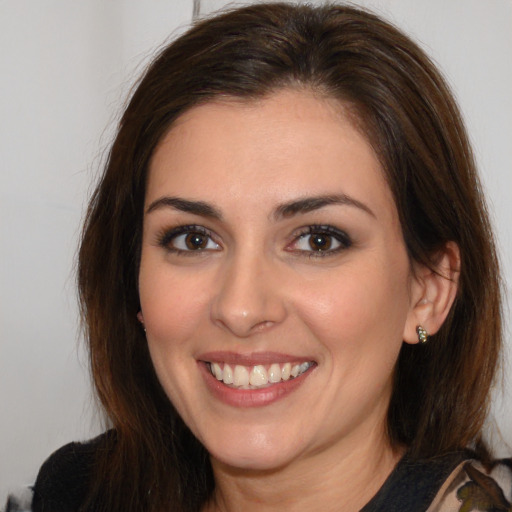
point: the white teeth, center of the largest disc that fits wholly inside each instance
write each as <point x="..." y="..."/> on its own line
<point x="240" y="376"/>
<point x="228" y="374"/>
<point x="286" y="371"/>
<point x="217" y="371"/>
<point x="258" y="376"/>
<point x="274" y="373"/>
<point x="305" y="366"/>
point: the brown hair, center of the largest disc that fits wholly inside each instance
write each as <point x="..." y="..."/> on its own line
<point x="441" y="390"/>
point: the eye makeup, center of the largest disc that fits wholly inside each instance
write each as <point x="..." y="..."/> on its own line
<point x="320" y="241"/>
<point x="313" y="240"/>
<point x="187" y="240"/>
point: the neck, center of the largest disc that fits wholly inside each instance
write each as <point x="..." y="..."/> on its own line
<point x="342" y="478"/>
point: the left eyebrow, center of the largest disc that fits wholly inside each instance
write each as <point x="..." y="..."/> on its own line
<point x="309" y="204"/>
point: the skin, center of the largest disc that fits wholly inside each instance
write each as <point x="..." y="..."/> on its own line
<point x="259" y="286"/>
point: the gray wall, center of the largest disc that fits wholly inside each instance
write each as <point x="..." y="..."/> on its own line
<point x="66" y="69"/>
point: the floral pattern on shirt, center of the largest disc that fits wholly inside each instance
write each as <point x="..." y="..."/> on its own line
<point x="481" y="493"/>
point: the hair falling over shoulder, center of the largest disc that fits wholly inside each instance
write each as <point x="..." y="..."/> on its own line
<point x="441" y="390"/>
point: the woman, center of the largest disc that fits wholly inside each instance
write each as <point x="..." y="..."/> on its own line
<point x="288" y="281"/>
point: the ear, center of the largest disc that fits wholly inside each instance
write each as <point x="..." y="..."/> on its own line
<point x="140" y="318"/>
<point x="433" y="292"/>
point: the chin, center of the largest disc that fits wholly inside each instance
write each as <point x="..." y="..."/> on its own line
<point x="258" y="452"/>
<point x="252" y="461"/>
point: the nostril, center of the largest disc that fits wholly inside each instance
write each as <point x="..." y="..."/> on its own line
<point x="262" y="325"/>
<point x="245" y="303"/>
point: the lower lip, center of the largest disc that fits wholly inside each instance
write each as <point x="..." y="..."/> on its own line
<point x="251" y="397"/>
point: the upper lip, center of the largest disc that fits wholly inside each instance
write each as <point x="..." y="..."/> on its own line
<point x="253" y="359"/>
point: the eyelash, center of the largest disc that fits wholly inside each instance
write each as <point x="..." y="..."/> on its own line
<point x="168" y="236"/>
<point x="324" y="230"/>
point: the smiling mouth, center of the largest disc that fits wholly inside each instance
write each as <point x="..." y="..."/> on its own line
<point x="258" y="376"/>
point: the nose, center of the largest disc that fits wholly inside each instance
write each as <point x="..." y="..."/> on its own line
<point x="249" y="297"/>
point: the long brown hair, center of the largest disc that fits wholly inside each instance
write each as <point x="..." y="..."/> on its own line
<point x="441" y="390"/>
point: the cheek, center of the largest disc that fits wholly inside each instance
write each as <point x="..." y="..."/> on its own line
<point x="173" y="305"/>
<point x="360" y="307"/>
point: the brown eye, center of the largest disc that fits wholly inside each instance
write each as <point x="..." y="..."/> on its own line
<point x="196" y="241"/>
<point x="188" y="239"/>
<point x="320" y="241"/>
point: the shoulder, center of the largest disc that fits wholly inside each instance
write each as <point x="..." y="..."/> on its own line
<point x="474" y="486"/>
<point x="63" y="480"/>
<point x="453" y="482"/>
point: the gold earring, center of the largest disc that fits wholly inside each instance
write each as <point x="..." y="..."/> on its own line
<point x="422" y="334"/>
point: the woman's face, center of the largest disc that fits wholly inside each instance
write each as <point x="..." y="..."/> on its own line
<point x="274" y="282"/>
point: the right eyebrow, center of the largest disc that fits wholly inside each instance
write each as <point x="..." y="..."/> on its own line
<point x="185" y="205"/>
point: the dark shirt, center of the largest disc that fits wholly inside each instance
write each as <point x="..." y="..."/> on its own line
<point x="63" y="480"/>
<point x="62" y="483"/>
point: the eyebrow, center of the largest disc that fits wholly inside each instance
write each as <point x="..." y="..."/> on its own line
<point x="309" y="204"/>
<point x="284" y="210"/>
<point x="196" y="207"/>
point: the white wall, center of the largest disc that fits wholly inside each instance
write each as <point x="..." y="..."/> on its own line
<point x="65" y="69"/>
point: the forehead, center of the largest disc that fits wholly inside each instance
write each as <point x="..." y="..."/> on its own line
<point x="288" y="144"/>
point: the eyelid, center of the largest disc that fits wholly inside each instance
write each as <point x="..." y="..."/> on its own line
<point x="167" y="235"/>
<point x="339" y="235"/>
